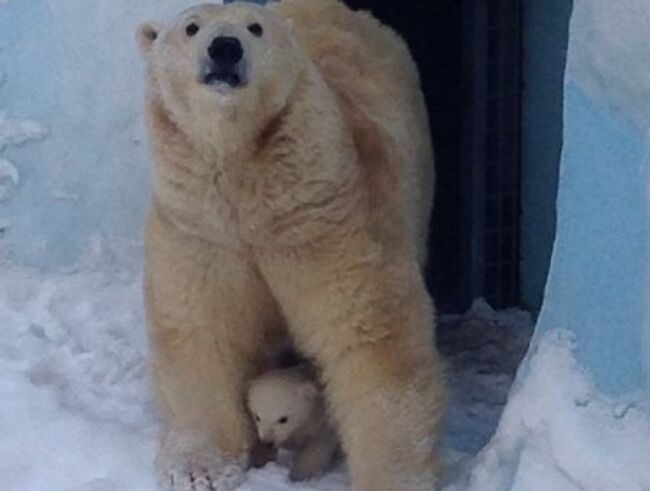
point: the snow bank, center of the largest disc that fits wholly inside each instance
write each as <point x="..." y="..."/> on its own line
<point x="76" y="411"/>
<point x="482" y="350"/>
<point x="14" y="133"/>
<point x="558" y="432"/>
<point x="71" y="78"/>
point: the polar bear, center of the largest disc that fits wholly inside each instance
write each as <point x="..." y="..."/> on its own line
<point x="289" y="412"/>
<point x="292" y="190"/>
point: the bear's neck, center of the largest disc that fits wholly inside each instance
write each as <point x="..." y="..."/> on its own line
<point x="243" y="136"/>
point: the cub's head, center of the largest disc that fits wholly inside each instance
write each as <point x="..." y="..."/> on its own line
<point x="281" y="403"/>
<point x="222" y="61"/>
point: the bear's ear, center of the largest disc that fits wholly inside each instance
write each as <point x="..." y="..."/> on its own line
<point x="146" y="35"/>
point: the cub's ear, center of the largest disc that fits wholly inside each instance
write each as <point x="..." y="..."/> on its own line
<point x="146" y="35"/>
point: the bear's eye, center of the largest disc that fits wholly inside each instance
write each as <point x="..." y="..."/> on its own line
<point x="257" y="418"/>
<point x="256" y="29"/>
<point x="191" y="29"/>
<point x="283" y="420"/>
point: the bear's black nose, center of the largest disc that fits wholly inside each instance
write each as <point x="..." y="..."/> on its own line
<point x="225" y="51"/>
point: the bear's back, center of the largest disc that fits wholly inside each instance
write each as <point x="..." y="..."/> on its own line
<point x="371" y="70"/>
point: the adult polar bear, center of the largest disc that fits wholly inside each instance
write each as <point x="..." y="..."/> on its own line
<point x="293" y="177"/>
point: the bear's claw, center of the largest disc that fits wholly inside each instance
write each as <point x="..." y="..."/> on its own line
<point x="186" y="467"/>
<point x="217" y="478"/>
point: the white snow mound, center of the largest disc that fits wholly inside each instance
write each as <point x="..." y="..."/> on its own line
<point x="559" y="433"/>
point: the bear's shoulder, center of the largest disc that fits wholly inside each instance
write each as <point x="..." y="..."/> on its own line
<point x="357" y="55"/>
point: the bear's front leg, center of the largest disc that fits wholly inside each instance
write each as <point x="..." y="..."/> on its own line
<point x="206" y="308"/>
<point x="387" y="399"/>
<point x="366" y="319"/>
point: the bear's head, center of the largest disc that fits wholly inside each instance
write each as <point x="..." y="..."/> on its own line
<point x="281" y="405"/>
<point x="217" y="64"/>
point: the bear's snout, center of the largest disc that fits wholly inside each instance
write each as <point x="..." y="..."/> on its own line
<point x="267" y="437"/>
<point x="225" y="62"/>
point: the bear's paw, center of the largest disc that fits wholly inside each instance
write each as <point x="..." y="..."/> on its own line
<point x="186" y="463"/>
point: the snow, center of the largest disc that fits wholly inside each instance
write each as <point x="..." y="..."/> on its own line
<point x="610" y="54"/>
<point x="9" y="178"/>
<point x="14" y="133"/>
<point x="18" y="132"/>
<point x="82" y="101"/>
<point x="482" y="351"/>
<point x="76" y="412"/>
<point x="566" y="435"/>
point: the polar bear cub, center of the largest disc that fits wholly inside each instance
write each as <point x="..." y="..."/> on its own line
<point x="289" y="412"/>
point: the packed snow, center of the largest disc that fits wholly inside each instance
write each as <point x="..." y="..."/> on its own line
<point x="76" y="412"/>
<point x="14" y="133"/>
<point x="565" y="435"/>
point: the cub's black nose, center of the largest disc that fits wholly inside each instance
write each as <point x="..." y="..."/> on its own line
<point x="225" y="51"/>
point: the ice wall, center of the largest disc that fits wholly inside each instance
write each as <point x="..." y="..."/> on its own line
<point x="72" y="148"/>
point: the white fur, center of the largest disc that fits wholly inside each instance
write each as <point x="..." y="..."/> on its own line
<point x="189" y="461"/>
<point x="289" y="412"/>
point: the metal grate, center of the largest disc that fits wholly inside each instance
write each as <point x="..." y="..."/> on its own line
<point x="491" y="161"/>
<point x="503" y="148"/>
<point x="469" y="55"/>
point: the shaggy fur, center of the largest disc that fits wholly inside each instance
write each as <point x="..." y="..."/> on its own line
<point x="294" y="205"/>
<point x="289" y="412"/>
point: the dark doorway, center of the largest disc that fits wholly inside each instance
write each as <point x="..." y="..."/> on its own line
<point x="469" y="56"/>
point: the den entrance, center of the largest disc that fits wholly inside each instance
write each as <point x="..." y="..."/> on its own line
<point x="469" y="56"/>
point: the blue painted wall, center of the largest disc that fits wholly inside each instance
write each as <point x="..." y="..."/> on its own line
<point x="546" y="34"/>
<point x="599" y="276"/>
<point x="598" y="280"/>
